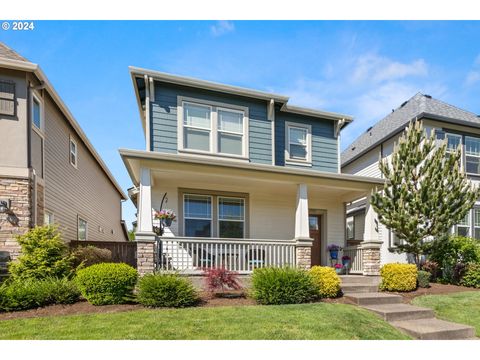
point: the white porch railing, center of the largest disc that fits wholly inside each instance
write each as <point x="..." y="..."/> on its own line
<point x="240" y="255"/>
<point x="356" y="256"/>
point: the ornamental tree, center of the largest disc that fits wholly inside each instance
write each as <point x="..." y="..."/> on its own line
<point x="426" y="193"/>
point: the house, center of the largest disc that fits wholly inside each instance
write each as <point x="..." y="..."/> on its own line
<point x="253" y="180"/>
<point x="459" y="127"/>
<point x="50" y="173"/>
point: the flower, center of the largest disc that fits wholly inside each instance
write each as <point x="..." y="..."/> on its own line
<point x="334" y="247"/>
<point x="338" y="266"/>
<point x="346" y="258"/>
<point x="165" y="214"/>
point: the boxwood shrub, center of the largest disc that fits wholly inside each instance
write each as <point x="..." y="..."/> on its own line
<point x="274" y="286"/>
<point x="327" y="281"/>
<point x="29" y="294"/>
<point x="398" y="277"/>
<point x="472" y="276"/>
<point x="423" y="279"/>
<point x="166" y="290"/>
<point x="107" y="283"/>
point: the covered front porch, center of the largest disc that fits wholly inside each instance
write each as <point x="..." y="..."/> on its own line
<point x="241" y="216"/>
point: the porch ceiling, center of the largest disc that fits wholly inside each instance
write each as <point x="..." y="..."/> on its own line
<point x="212" y="171"/>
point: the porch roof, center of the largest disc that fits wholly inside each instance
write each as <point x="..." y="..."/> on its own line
<point x="135" y="159"/>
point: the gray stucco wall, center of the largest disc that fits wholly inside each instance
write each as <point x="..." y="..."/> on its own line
<point x="164" y="119"/>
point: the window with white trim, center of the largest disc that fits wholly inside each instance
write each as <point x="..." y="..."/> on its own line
<point x="476" y="223"/>
<point x="472" y="155"/>
<point x="197" y="210"/>
<point x="453" y="142"/>
<point x="231" y="217"/>
<point x="215" y="128"/>
<point x="48" y="218"/>
<point x="463" y="227"/>
<point x="350" y="228"/>
<point x="73" y="153"/>
<point x="82" y="229"/>
<point x="37" y="112"/>
<point x="298" y="142"/>
<point x="394" y="239"/>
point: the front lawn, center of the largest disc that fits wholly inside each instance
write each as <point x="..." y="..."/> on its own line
<point x="463" y="308"/>
<point x="307" y="321"/>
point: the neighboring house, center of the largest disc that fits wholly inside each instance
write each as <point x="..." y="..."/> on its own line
<point x="49" y="170"/>
<point x="253" y="180"/>
<point x="460" y="127"/>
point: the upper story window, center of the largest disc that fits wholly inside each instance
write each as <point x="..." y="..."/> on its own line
<point x="7" y="98"/>
<point x="298" y="147"/>
<point x="472" y="155"/>
<point x="37" y="112"/>
<point x="453" y="142"/>
<point x="215" y="128"/>
<point x="73" y="153"/>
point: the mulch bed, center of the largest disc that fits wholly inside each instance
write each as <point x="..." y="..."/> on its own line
<point x="434" y="289"/>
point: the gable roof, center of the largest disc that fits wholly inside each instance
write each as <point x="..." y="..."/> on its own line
<point x="12" y="60"/>
<point x="417" y="107"/>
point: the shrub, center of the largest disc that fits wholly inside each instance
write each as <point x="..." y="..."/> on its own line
<point x="85" y="256"/>
<point x="327" y="281"/>
<point x="29" y="294"/>
<point x="166" y="290"/>
<point x="423" y="279"/>
<point x="433" y="268"/>
<point x="398" y="277"/>
<point x="43" y="255"/>
<point x="221" y="279"/>
<point x="107" y="283"/>
<point x="472" y="276"/>
<point x="274" y="286"/>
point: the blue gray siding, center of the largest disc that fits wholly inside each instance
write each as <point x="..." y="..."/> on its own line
<point x="164" y="119"/>
<point x="324" y="143"/>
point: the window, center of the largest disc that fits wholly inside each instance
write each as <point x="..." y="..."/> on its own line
<point x="198" y="215"/>
<point x="298" y="143"/>
<point x="350" y="228"/>
<point x="476" y="223"/>
<point x="453" y="142"/>
<point x="394" y="240"/>
<point x="463" y="227"/>
<point x="215" y="128"/>
<point x="48" y="218"/>
<point x="197" y="126"/>
<point x="231" y="217"/>
<point x="82" y="229"/>
<point x="230" y="132"/>
<point x="73" y="153"/>
<point x="7" y="98"/>
<point x="37" y="112"/>
<point x="472" y="154"/>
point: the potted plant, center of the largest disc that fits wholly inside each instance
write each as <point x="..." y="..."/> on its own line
<point x="338" y="268"/>
<point x="166" y="216"/>
<point x="334" y="249"/>
<point x="346" y="262"/>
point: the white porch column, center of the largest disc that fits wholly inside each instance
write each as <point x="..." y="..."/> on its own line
<point x="144" y="217"/>
<point x="371" y="222"/>
<point x="371" y="244"/>
<point x="301" y="213"/>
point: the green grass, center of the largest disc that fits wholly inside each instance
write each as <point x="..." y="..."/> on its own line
<point x="307" y="321"/>
<point x="462" y="307"/>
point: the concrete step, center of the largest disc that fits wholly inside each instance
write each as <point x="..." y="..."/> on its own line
<point x="434" y="329"/>
<point x="359" y="279"/>
<point x="399" y="312"/>
<point x="376" y="298"/>
<point x="359" y="288"/>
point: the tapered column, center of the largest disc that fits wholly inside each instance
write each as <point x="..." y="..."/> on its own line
<point x="303" y="248"/>
<point x="371" y="244"/>
<point x="144" y="217"/>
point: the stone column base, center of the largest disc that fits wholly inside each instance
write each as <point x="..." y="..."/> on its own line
<point x="371" y="257"/>
<point x="303" y="253"/>
<point x="146" y="252"/>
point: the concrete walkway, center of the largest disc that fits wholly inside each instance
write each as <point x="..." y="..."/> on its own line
<point x="418" y="322"/>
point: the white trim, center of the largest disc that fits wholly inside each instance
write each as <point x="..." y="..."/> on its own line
<point x="218" y="213"/>
<point x="79" y="217"/>
<point x="72" y="140"/>
<point x="271" y="117"/>
<point x="36" y="97"/>
<point x="471" y="155"/>
<point x="214" y="130"/>
<point x="195" y="218"/>
<point x="52" y="215"/>
<point x="308" y="160"/>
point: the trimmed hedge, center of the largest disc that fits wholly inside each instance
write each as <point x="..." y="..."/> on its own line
<point x="327" y="281"/>
<point x="107" y="283"/>
<point x="398" y="277"/>
<point x="423" y="279"/>
<point x="472" y="276"/>
<point x="85" y="256"/>
<point x="166" y="290"/>
<point x="29" y="294"/>
<point x="275" y="286"/>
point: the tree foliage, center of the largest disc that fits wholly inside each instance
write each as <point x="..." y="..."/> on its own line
<point x="427" y="191"/>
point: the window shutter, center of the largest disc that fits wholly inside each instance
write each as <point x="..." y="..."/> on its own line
<point x="7" y="98"/>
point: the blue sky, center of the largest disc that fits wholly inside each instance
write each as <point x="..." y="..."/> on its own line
<point x="361" y="68"/>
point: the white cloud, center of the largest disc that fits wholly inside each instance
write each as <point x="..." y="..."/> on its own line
<point x="222" y="27"/>
<point x="371" y="67"/>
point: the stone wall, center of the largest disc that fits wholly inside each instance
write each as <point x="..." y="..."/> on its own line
<point x="371" y="257"/>
<point x="303" y="253"/>
<point x="145" y="256"/>
<point x="18" y="191"/>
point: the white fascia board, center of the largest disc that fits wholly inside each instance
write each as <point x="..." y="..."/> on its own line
<point x="316" y="113"/>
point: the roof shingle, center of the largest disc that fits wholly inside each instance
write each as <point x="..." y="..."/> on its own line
<point x="8" y="53"/>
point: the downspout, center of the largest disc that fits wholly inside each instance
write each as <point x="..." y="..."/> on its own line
<point x="147" y="113"/>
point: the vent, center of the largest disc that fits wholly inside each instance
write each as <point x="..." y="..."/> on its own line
<point x="353" y="148"/>
<point x="404" y="103"/>
<point x="428" y="96"/>
<point x="370" y="128"/>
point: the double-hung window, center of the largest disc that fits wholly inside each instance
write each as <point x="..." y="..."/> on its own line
<point x="231" y="217"/>
<point x="472" y="155"/>
<point x="476" y="223"/>
<point x="213" y="128"/>
<point x="82" y="229"/>
<point x="197" y="215"/>
<point x="463" y="227"/>
<point x="298" y="143"/>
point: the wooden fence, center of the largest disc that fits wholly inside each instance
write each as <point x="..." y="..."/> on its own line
<point x="122" y="251"/>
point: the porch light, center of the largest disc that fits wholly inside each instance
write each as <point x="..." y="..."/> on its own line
<point x="4" y="206"/>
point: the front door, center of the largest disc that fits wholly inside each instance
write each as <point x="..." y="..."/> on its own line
<point x="314" y="223"/>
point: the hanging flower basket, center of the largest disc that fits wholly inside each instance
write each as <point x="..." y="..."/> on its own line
<point x="166" y="216"/>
